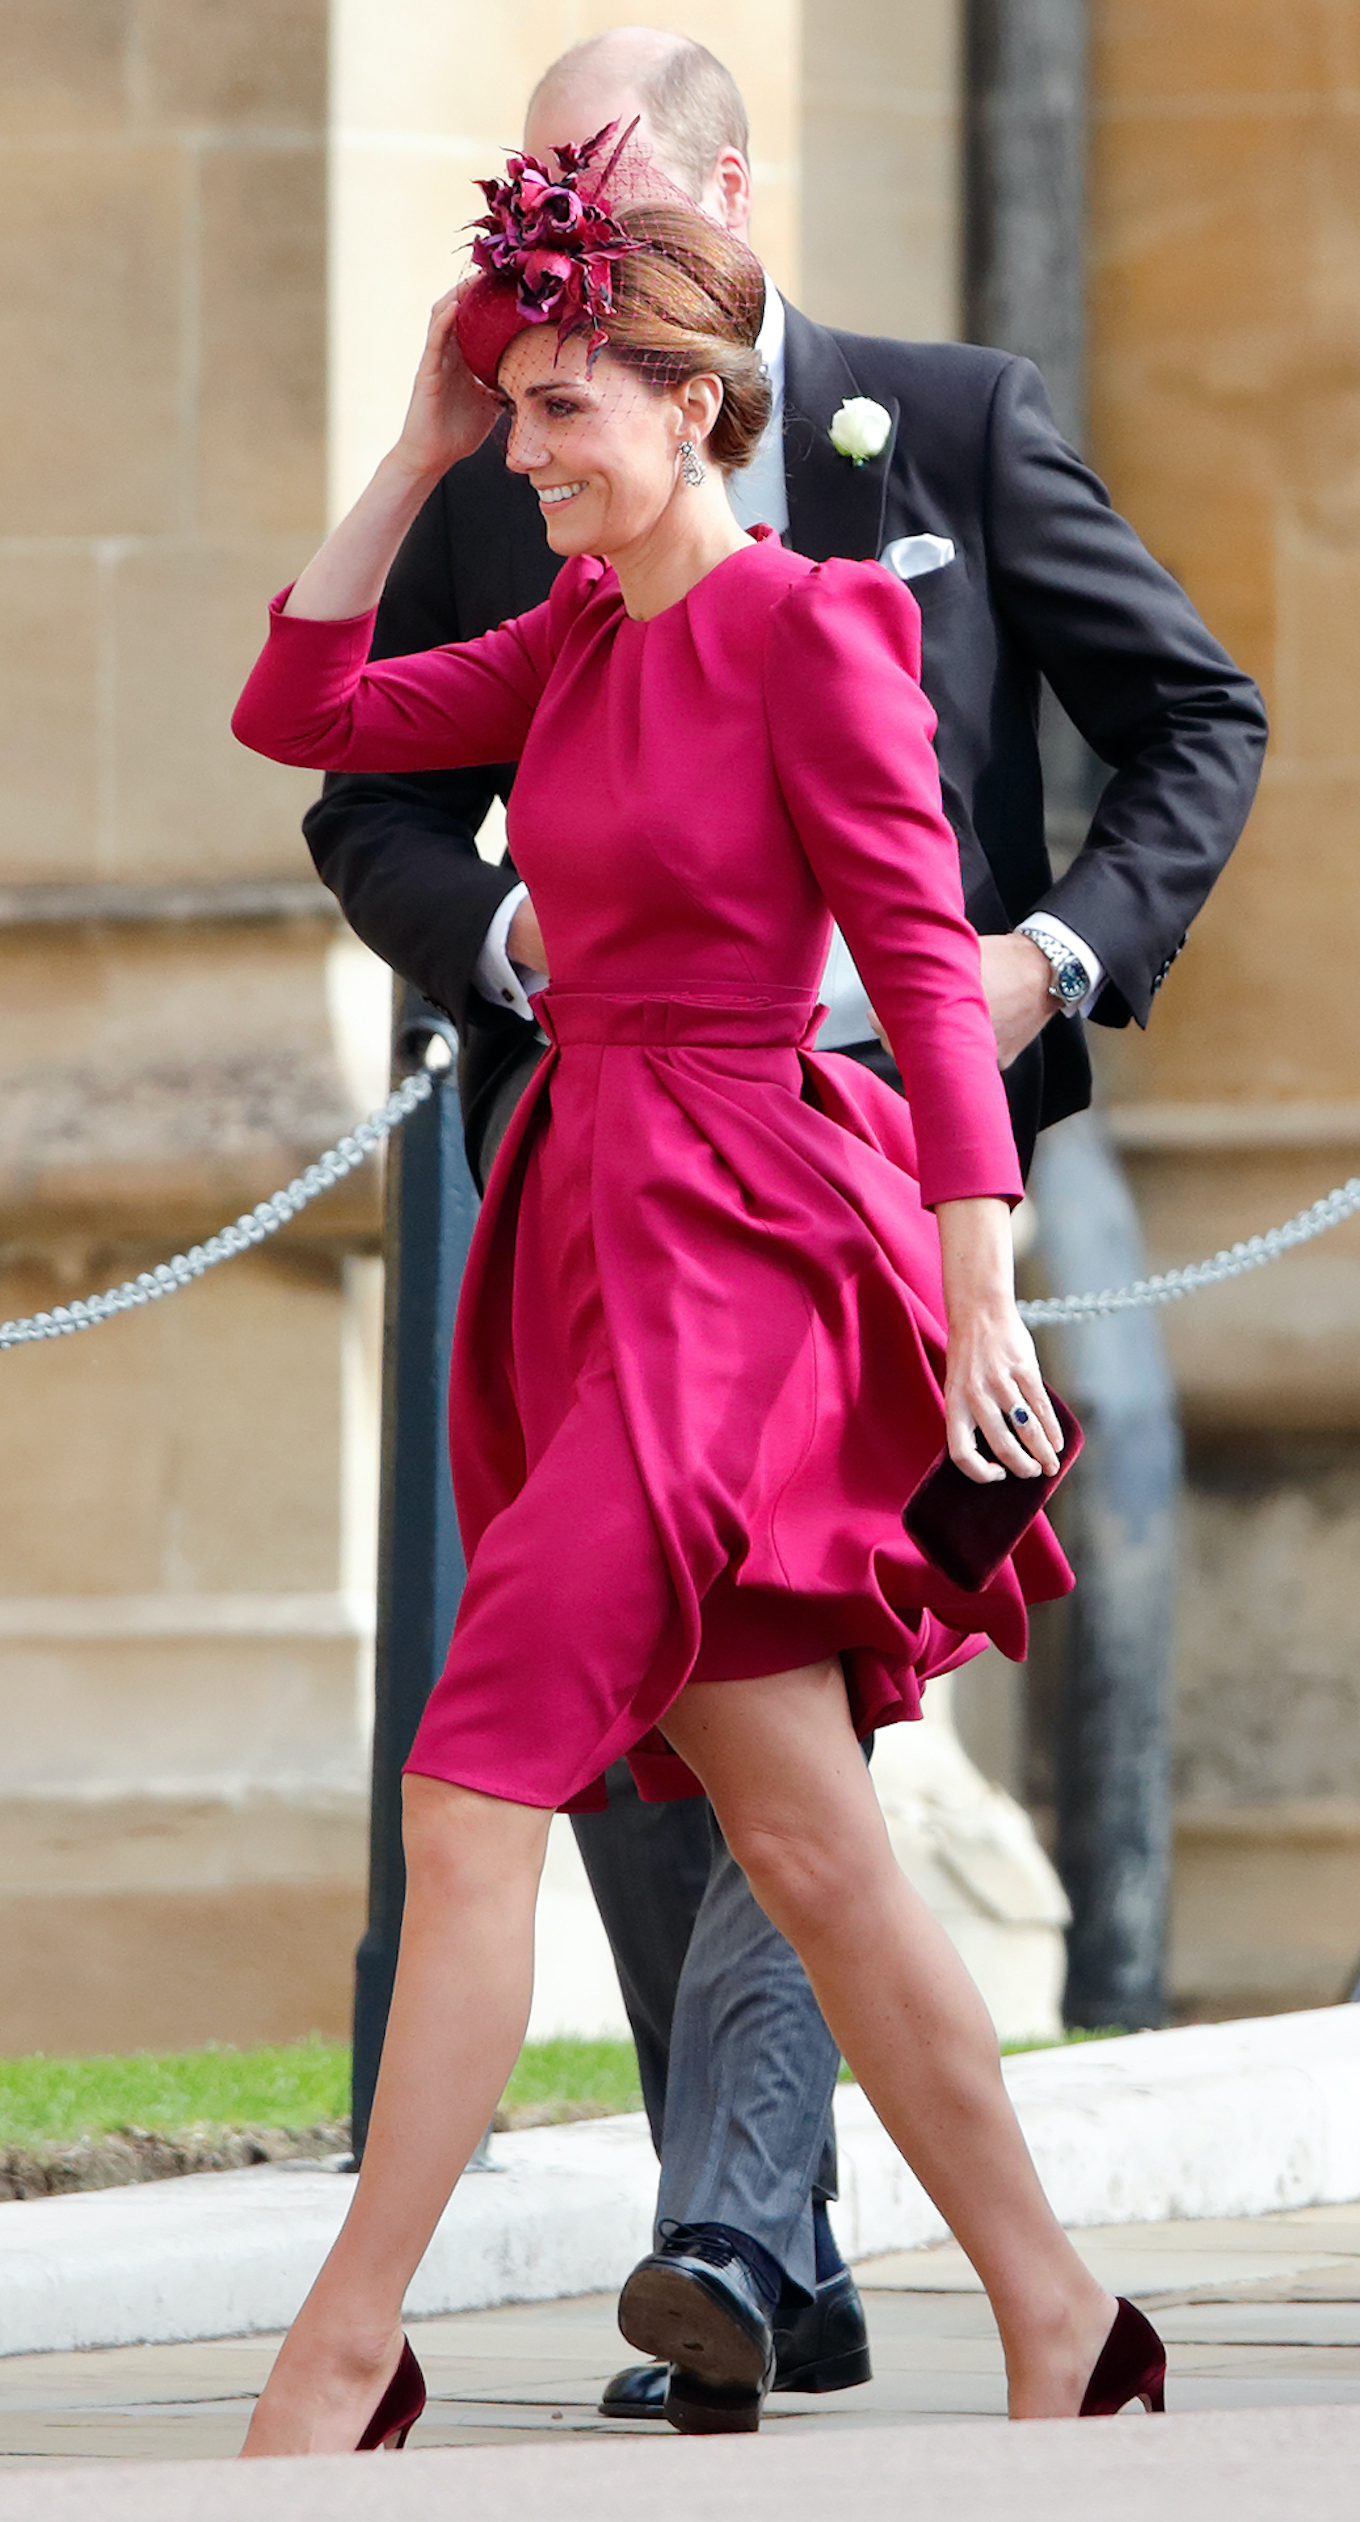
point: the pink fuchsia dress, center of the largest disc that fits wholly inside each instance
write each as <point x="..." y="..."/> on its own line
<point x="697" y="1364"/>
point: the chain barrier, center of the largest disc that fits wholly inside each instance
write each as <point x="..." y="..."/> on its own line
<point x="255" y="1227"/>
<point x="1166" y="1286"/>
<point x="259" y="1223"/>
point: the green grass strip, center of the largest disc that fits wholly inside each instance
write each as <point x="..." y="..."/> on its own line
<point x="589" y="2074"/>
<point x="298" y="2085"/>
<point x="56" y="2100"/>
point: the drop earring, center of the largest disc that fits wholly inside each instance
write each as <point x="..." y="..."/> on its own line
<point x="691" y="470"/>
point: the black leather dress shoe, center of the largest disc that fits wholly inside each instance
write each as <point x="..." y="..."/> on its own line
<point x="695" y="2306"/>
<point x="639" y="2391"/>
<point x="823" y="2345"/>
<point x="819" y="2346"/>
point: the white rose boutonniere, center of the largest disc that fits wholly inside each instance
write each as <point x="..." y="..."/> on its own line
<point x="861" y="429"/>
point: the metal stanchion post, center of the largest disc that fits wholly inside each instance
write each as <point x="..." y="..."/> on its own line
<point x="1112" y="1746"/>
<point x="429" y="1211"/>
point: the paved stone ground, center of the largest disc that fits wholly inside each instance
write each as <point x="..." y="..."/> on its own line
<point x="1258" y="2313"/>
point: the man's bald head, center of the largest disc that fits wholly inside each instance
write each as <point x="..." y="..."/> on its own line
<point x="690" y="107"/>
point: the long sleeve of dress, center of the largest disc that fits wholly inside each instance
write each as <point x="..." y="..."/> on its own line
<point x="314" y="699"/>
<point x="851" y="730"/>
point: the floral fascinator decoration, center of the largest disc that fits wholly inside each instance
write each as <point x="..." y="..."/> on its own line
<point x="545" y="253"/>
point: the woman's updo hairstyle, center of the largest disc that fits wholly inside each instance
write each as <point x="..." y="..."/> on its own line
<point x="689" y="303"/>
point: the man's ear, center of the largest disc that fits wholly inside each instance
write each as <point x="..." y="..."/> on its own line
<point x="729" y="192"/>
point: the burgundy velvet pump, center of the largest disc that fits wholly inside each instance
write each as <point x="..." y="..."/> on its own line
<point x="398" y="2409"/>
<point x="1131" y="2365"/>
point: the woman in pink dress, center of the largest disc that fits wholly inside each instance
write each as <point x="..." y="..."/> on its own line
<point x="726" y="1299"/>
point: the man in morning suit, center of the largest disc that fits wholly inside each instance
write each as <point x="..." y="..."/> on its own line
<point x="1022" y="572"/>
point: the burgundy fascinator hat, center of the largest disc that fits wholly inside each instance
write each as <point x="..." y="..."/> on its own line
<point x="548" y="246"/>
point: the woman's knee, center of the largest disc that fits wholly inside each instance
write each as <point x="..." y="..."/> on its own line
<point x="801" y="1875"/>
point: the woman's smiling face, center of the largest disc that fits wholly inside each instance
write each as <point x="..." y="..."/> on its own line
<point x="600" y="446"/>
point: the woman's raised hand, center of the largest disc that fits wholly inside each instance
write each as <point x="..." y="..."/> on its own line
<point x="450" y="411"/>
<point x="448" y="417"/>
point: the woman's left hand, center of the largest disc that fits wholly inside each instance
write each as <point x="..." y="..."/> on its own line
<point x="993" y="1385"/>
<point x="992" y="1382"/>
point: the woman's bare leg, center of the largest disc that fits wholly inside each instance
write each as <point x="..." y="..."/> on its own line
<point x="460" y="2006"/>
<point x="784" y="1773"/>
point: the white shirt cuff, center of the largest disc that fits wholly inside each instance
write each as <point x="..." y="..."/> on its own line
<point x="1059" y="934"/>
<point x="507" y="984"/>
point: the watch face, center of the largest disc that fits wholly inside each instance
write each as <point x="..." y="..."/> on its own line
<point x="1069" y="982"/>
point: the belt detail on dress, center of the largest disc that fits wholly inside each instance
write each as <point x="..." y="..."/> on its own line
<point x="778" y="1019"/>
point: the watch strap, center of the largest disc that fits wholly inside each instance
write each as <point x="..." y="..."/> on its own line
<point x="1071" y="982"/>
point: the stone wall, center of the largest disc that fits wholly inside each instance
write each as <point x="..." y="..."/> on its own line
<point x="881" y="231"/>
<point x="186" y="1496"/>
<point x="1225" y="380"/>
<point x="163" y="171"/>
<point x="1225" y="364"/>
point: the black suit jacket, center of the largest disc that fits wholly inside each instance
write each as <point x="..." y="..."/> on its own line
<point x="1047" y="582"/>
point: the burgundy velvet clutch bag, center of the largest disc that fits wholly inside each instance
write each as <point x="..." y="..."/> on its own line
<point x="968" y="1529"/>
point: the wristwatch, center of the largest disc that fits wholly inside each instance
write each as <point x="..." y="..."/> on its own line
<point x="1071" y="980"/>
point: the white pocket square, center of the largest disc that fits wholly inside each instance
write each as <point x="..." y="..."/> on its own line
<point x="916" y="555"/>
